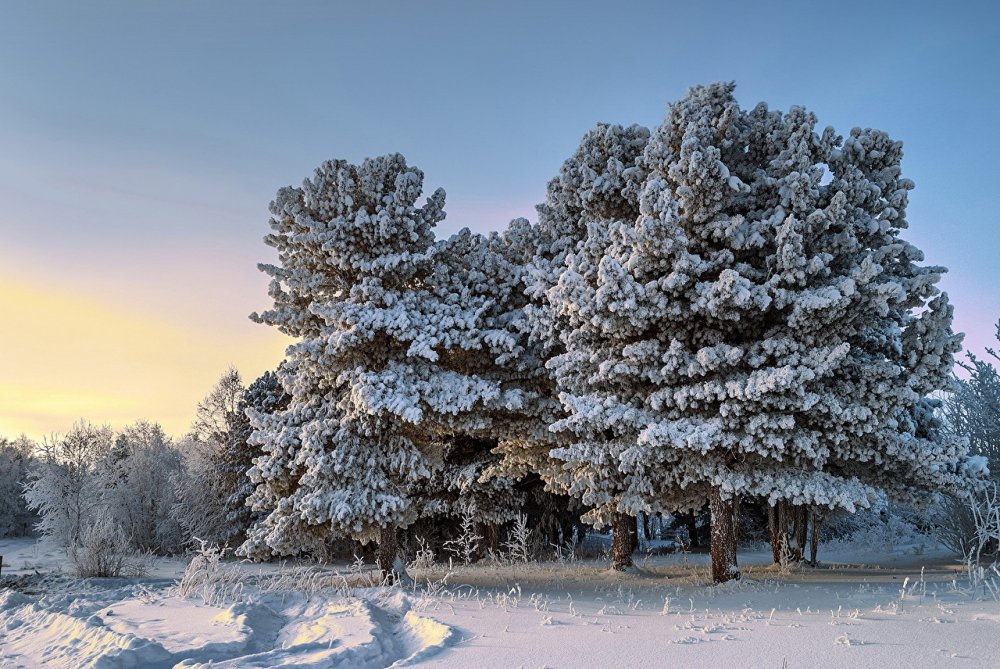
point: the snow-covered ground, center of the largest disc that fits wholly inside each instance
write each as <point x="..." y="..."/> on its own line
<point x="887" y="606"/>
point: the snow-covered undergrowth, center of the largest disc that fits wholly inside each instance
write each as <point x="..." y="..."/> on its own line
<point x="897" y="608"/>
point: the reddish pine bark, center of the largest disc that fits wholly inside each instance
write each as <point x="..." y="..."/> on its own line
<point x="724" y="528"/>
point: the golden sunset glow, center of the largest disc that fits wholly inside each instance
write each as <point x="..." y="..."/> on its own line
<point x="68" y="355"/>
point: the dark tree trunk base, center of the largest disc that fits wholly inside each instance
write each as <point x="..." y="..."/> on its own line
<point x="692" y="527"/>
<point x="817" y="519"/>
<point x="724" y="528"/>
<point x="623" y="542"/>
<point x="385" y="555"/>
<point x="801" y="527"/>
<point x="775" y="531"/>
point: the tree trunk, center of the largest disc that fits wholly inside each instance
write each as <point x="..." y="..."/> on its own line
<point x="633" y="536"/>
<point x="801" y="531"/>
<point x="724" y="529"/>
<point x="493" y="537"/>
<point x="623" y="541"/>
<point x="692" y="527"/>
<point x="642" y="529"/>
<point x="385" y="555"/>
<point x="817" y="519"/>
<point x="775" y="530"/>
<point x="784" y="520"/>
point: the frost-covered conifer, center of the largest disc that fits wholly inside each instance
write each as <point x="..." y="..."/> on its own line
<point x="597" y="184"/>
<point x="394" y="355"/>
<point x="266" y="396"/>
<point x="761" y="328"/>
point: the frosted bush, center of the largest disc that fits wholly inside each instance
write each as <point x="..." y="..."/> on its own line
<point x="982" y="557"/>
<point x="465" y="546"/>
<point x="104" y="550"/>
<point x="64" y="488"/>
<point x="424" y="557"/>
<point x="208" y="579"/>
<point x="518" y="542"/>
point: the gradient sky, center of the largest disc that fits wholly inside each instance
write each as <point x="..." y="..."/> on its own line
<point x="141" y="142"/>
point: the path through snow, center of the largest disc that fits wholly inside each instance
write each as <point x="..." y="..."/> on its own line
<point x="104" y="631"/>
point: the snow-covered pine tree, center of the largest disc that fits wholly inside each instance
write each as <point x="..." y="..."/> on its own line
<point x="761" y="330"/>
<point x="379" y="377"/>
<point x="488" y="272"/>
<point x="266" y="396"/>
<point x="598" y="184"/>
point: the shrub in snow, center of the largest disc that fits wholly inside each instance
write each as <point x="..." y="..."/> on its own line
<point x="972" y="411"/>
<point x="207" y="578"/>
<point x="954" y="519"/>
<point x="760" y="329"/>
<point x="423" y="557"/>
<point x="968" y="525"/>
<point x="518" y="542"/>
<point x="466" y="545"/>
<point x="103" y="549"/>
<point x="92" y="475"/>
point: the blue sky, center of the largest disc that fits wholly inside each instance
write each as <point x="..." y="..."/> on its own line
<point x="141" y="142"/>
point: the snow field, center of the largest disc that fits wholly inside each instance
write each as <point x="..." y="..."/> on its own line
<point x="906" y="607"/>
